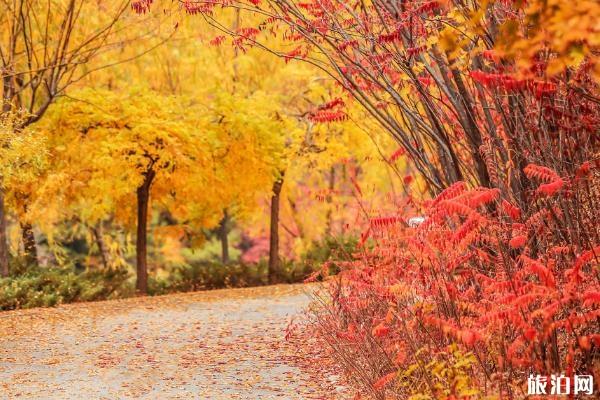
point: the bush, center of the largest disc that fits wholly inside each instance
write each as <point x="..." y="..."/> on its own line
<point x="17" y="265"/>
<point x="212" y="275"/>
<point x="45" y="287"/>
<point x="208" y="275"/>
<point x="329" y="253"/>
<point x="203" y="275"/>
<point x="511" y="290"/>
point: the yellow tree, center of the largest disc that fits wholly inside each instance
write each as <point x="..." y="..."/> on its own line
<point x="570" y="31"/>
<point x="24" y="159"/>
<point x="261" y="118"/>
<point x="113" y="152"/>
<point x="228" y="79"/>
<point x="44" y="47"/>
<point x="342" y="167"/>
<point x="218" y="77"/>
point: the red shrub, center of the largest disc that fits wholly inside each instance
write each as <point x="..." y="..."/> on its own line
<point x="470" y="283"/>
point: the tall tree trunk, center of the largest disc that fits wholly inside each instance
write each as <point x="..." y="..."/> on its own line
<point x="98" y="236"/>
<point x="3" y="239"/>
<point x="274" y="230"/>
<point x="143" y="200"/>
<point x="29" y="245"/>
<point x="223" y="237"/>
<point x="6" y="107"/>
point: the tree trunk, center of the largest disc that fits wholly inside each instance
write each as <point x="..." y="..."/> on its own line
<point x="3" y="239"/>
<point x="104" y="254"/>
<point x="143" y="200"/>
<point x="7" y="92"/>
<point x="274" y="231"/>
<point x="223" y="237"/>
<point x="29" y="245"/>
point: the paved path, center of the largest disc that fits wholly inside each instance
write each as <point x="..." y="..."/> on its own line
<point x="222" y="344"/>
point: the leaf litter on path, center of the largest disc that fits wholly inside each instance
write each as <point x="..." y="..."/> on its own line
<point x="221" y="344"/>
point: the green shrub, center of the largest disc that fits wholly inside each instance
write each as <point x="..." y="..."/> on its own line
<point x="46" y="287"/>
<point x="209" y="275"/>
<point x="332" y="249"/>
<point x="17" y="265"/>
<point x="203" y="275"/>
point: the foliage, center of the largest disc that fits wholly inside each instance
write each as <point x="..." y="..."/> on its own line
<point x="201" y="275"/>
<point x="511" y="285"/>
<point x="495" y="103"/>
<point x="103" y="144"/>
<point x="568" y="32"/>
<point x="430" y="73"/>
<point x="24" y="158"/>
<point x="192" y="113"/>
<point x="449" y="374"/>
<point x="48" y="46"/>
<point x="323" y="256"/>
<point x="209" y="275"/>
<point x="34" y="286"/>
<point x="41" y="287"/>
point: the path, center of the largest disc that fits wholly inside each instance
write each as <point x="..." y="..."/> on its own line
<point x="222" y="344"/>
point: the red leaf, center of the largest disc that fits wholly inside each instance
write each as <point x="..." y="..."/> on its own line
<point x="518" y="241"/>
<point x="550" y="189"/>
<point x="384" y="380"/>
<point x="380" y="330"/>
<point x="468" y="337"/>
<point x="530" y="334"/>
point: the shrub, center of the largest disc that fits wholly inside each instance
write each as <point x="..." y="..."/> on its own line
<point x="516" y="287"/>
<point x="203" y="275"/>
<point x="209" y="275"/>
<point x="330" y="250"/>
<point x="34" y="286"/>
<point x="45" y="287"/>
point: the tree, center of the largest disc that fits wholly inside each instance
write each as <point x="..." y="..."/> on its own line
<point x="430" y="73"/>
<point x="113" y="149"/>
<point x="198" y="64"/>
<point x="243" y="119"/>
<point x="337" y="137"/>
<point x="223" y="236"/>
<point x="110" y="151"/>
<point x="274" y="229"/>
<point x="260" y="114"/>
<point x="23" y="160"/>
<point x="230" y="80"/>
<point x="43" y="49"/>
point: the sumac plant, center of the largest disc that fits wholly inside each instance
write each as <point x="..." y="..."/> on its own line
<point x="496" y="104"/>
<point x="478" y="296"/>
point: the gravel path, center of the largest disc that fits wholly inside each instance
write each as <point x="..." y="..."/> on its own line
<point x="222" y="344"/>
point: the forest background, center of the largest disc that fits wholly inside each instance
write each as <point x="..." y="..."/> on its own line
<point x="239" y="161"/>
